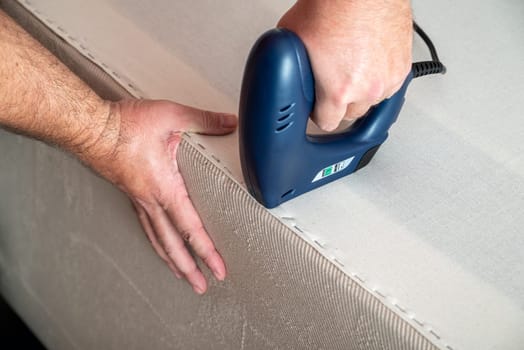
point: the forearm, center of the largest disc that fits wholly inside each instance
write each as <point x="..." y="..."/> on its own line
<point x="322" y="15"/>
<point x="41" y="98"/>
<point x="340" y="8"/>
<point x="131" y="143"/>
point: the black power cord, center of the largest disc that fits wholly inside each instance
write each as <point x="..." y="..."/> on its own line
<point x="434" y="66"/>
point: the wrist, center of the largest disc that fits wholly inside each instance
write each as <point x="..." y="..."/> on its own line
<point x="98" y="143"/>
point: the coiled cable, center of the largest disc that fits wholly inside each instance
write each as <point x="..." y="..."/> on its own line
<point x="434" y="66"/>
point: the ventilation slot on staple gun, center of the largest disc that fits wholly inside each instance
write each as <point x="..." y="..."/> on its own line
<point x="283" y="127"/>
<point x="288" y="193"/>
<point x="281" y="119"/>
<point x="286" y="108"/>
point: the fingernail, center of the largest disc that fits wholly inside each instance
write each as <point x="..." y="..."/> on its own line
<point x="219" y="275"/>
<point x="229" y="121"/>
<point x="198" y="290"/>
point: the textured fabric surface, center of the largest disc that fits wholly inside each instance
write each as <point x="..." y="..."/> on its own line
<point x="433" y="227"/>
<point x="77" y="267"/>
<point x="76" y="293"/>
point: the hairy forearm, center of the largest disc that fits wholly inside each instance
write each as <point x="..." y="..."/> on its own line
<point x="335" y="12"/>
<point x="338" y="8"/>
<point x="41" y="98"/>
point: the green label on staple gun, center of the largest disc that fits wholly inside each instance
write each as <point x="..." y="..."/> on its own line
<point x="333" y="169"/>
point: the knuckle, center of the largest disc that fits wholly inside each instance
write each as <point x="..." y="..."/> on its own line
<point x="188" y="269"/>
<point x="146" y="200"/>
<point x="171" y="250"/>
<point x="171" y="254"/>
<point x="207" y="250"/>
<point x="375" y="92"/>
<point x="340" y="97"/>
<point x="209" y="120"/>
<point x="186" y="236"/>
<point x="189" y="234"/>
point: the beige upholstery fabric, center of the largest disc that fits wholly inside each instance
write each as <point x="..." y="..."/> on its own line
<point x="430" y="232"/>
<point x="75" y="290"/>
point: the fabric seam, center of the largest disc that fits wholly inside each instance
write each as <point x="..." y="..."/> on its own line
<point x="59" y="30"/>
<point x="322" y="246"/>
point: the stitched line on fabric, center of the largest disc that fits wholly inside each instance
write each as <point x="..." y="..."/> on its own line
<point x="82" y="48"/>
<point x="323" y="247"/>
<point x="330" y="253"/>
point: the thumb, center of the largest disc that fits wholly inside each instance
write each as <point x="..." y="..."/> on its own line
<point x="211" y="123"/>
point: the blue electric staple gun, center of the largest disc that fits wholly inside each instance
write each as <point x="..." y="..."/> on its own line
<point x="279" y="159"/>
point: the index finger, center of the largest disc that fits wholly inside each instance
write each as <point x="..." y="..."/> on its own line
<point x="327" y="113"/>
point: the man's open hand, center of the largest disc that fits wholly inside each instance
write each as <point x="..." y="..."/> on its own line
<point x="131" y="143"/>
<point x="142" y="162"/>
